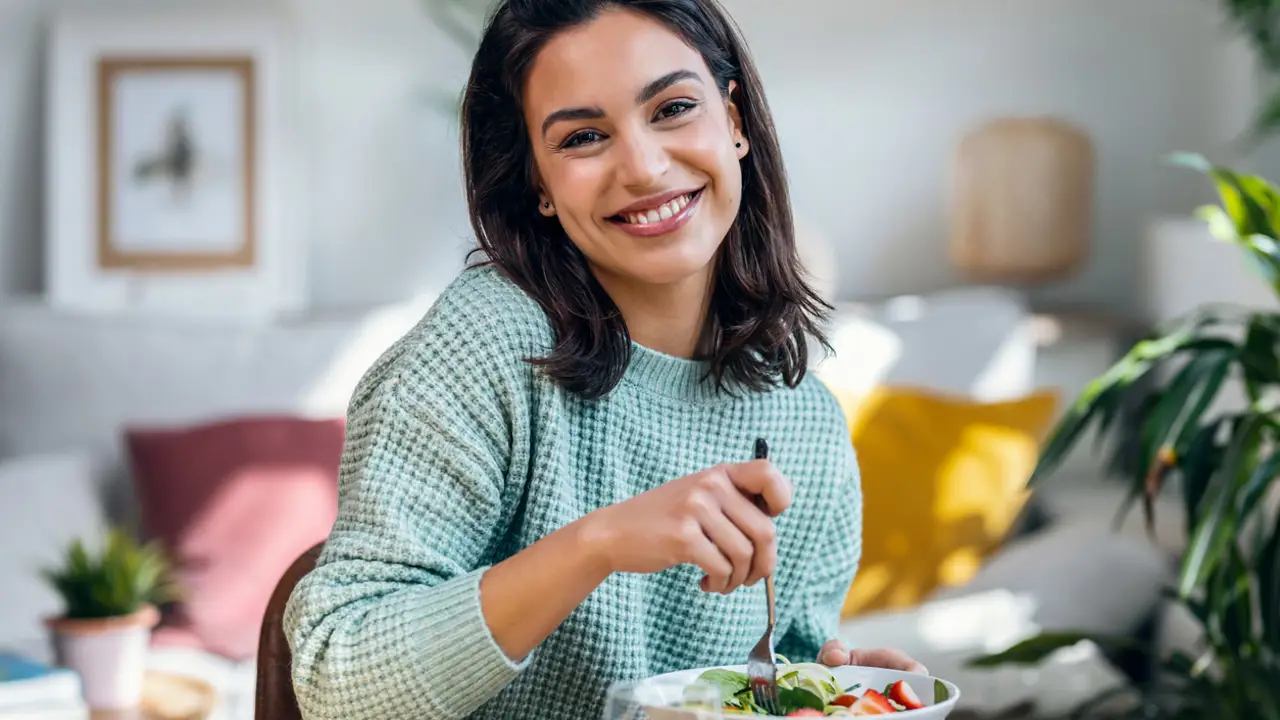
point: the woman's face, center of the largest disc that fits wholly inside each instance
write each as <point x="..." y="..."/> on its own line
<point x="635" y="149"/>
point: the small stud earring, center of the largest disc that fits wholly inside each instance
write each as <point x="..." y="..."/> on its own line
<point x="737" y="144"/>
<point x="546" y="205"/>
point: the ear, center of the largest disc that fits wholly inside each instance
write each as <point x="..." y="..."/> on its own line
<point x="545" y="206"/>
<point x="740" y="143"/>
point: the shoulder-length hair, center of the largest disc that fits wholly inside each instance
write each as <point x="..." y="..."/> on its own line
<point x="762" y="309"/>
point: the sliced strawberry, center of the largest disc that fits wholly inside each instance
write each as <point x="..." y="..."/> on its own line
<point x="901" y="693"/>
<point x="845" y="700"/>
<point x="872" y="703"/>
<point x="806" y="712"/>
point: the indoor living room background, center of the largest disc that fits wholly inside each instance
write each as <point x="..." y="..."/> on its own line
<point x="197" y="397"/>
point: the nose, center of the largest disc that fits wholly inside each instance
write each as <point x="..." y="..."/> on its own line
<point x="642" y="160"/>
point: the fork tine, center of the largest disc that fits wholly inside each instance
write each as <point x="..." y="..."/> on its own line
<point x="760" y="694"/>
<point x="765" y="693"/>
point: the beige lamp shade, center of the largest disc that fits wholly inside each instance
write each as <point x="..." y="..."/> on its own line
<point x="1022" y="200"/>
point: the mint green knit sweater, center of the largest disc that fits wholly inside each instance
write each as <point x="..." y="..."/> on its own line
<point x="459" y="454"/>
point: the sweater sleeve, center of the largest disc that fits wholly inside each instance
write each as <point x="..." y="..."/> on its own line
<point x="389" y="624"/>
<point x="831" y="568"/>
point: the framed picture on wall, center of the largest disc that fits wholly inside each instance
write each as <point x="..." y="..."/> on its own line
<point x="170" y="187"/>
<point x="175" y="163"/>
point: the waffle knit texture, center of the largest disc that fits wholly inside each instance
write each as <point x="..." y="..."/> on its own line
<point x="460" y="454"/>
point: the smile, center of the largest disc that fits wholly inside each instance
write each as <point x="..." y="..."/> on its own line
<point x="665" y="218"/>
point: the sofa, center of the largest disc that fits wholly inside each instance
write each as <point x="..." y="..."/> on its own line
<point x="985" y="346"/>
<point x="84" y="398"/>
<point x="78" y="392"/>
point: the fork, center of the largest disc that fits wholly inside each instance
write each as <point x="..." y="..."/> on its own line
<point x="762" y="664"/>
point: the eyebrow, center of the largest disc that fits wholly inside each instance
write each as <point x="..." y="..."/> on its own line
<point x="646" y="94"/>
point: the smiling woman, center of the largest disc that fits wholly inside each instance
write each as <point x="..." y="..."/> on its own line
<point x="546" y="486"/>
<point x="609" y="112"/>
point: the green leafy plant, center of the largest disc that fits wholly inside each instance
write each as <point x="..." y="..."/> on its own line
<point x="120" y="580"/>
<point x="1221" y="458"/>
<point x="1259" y="22"/>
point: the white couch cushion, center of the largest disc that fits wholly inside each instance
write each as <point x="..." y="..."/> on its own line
<point x="972" y="342"/>
<point x="70" y="381"/>
<point x="1077" y="576"/>
<point x="1070" y="576"/>
<point x="946" y="634"/>
<point x="46" y="501"/>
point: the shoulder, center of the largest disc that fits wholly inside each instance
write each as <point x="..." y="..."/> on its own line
<point x="481" y="330"/>
<point x="488" y="308"/>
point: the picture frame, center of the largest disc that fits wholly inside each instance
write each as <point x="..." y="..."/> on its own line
<point x="151" y="214"/>
<point x="170" y="181"/>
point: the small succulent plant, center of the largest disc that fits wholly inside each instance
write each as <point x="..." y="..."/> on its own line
<point x="121" y="579"/>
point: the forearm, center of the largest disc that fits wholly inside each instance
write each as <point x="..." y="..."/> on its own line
<point x="368" y="643"/>
<point x="370" y="637"/>
<point x="526" y="597"/>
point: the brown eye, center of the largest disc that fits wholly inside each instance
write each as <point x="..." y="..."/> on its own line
<point x="675" y="108"/>
<point x="582" y="137"/>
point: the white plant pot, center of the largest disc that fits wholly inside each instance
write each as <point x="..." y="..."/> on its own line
<point x="109" y="655"/>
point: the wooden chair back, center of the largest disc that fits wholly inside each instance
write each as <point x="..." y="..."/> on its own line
<point x="273" y="696"/>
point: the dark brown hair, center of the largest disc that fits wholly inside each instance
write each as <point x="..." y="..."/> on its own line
<point x="762" y="310"/>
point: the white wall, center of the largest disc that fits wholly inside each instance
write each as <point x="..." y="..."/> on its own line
<point x="870" y="97"/>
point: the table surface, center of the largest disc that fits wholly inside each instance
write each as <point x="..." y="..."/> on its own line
<point x="166" y="696"/>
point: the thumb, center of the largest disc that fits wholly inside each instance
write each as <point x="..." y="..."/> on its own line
<point x="834" y="654"/>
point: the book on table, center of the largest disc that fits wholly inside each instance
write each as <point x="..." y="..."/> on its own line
<point x="30" y="690"/>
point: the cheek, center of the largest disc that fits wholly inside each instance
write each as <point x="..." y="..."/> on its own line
<point x="576" y="186"/>
<point x="711" y="153"/>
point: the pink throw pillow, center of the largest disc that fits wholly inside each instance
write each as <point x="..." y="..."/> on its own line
<point x="234" y="502"/>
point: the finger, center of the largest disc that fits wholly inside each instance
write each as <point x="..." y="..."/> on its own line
<point x="704" y="553"/>
<point x="887" y="658"/>
<point x="758" y="529"/>
<point x="834" y="654"/>
<point x="732" y="544"/>
<point x="761" y="477"/>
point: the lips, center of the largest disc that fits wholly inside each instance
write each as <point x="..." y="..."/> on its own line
<point x="673" y="213"/>
<point x="657" y="212"/>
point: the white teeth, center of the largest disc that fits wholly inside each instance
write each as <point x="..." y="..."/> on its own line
<point x="665" y="211"/>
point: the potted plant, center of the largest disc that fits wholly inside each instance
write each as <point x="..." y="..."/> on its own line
<point x="111" y="600"/>
<point x="1172" y="395"/>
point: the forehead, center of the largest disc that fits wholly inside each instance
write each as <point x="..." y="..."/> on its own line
<point x="606" y="60"/>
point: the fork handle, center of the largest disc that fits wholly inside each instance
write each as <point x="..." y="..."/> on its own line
<point x="768" y="593"/>
<point x="762" y="453"/>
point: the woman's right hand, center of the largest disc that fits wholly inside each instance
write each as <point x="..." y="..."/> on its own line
<point x="709" y="519"/>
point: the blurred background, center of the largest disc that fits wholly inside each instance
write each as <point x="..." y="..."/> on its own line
<point x="215" y="215"/>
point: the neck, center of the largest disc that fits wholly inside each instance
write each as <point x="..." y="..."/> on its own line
<point x="668" y="318"/>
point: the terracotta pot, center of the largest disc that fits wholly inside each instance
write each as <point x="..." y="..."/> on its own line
<point x="109" y="655"/>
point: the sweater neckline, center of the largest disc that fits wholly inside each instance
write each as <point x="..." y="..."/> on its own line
<point x="671" y="376"/>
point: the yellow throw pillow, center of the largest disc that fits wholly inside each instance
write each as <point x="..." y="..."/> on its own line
<point x="943" y="480"/>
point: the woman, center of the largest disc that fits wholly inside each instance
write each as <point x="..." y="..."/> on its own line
<point x="548" y="484"/>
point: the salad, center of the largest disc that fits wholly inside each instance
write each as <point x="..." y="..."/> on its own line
<point x="811" y="690"/>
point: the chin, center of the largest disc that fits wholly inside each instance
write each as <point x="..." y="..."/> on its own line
<point x="672" y="263"/>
